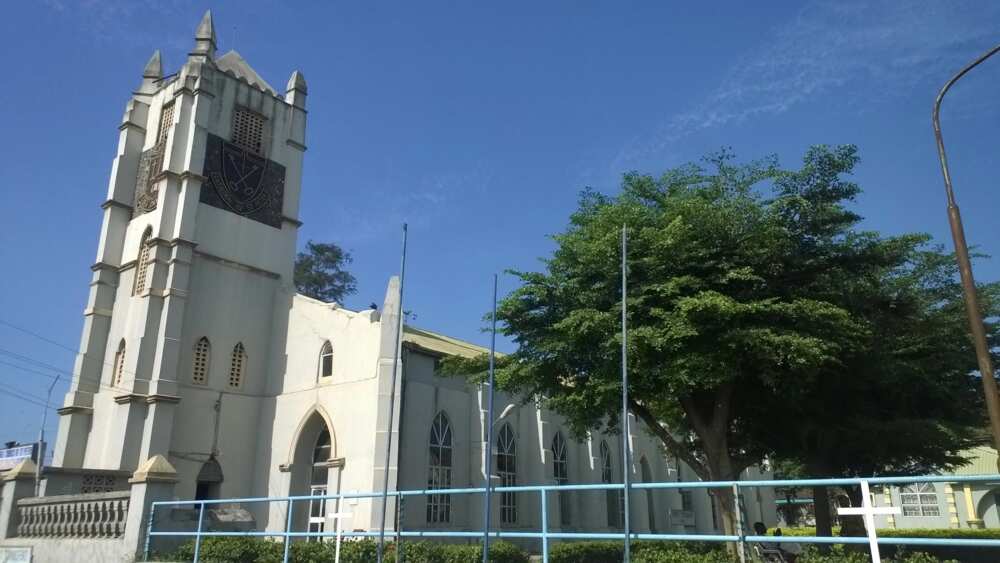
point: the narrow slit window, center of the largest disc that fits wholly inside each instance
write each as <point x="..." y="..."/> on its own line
<point x="119" y="367"/>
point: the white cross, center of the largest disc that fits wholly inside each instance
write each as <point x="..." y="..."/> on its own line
<point x="868" y="511"/>
<point x="338" y="516"/>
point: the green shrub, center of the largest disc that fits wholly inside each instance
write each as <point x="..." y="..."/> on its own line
<point x="257" y="550"/>
<point x="642" y="552"/>
<point x="843" y="554"/>
<point x="951" y="533"/>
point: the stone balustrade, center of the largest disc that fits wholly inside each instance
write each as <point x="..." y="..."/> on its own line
<point x="95" y="515"/>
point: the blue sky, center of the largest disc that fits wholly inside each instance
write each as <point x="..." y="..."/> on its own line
<point x="479" y="123"/>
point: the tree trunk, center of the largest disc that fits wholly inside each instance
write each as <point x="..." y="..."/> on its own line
<point x="821" y="507"/>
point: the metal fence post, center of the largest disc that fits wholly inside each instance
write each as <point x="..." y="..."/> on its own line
<point x="545" y="526"/>
<point x="197" y="537"/>
<point x="288" y="528"/>
<point x="740" y="529"/>
<point x="149" y="531"/>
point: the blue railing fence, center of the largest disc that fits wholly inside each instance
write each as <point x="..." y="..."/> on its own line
<point x="544" y="535"/>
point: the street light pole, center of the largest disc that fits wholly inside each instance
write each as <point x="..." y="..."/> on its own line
<point x="965" y="265"/>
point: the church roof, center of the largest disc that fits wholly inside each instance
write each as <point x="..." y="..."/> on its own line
<point x="441" y="344"/>
<point x="234" y="64"/>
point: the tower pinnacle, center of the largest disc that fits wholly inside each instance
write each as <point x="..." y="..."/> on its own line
<point x="204" y="36"/>
<point x="154" y="68"/>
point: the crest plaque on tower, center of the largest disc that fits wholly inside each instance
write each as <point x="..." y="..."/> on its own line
<point x="242" y="182"/>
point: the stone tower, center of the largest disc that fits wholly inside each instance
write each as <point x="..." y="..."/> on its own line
<point x="184" y="328"/>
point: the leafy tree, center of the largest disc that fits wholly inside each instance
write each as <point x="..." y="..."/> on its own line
<point x="906" y="401"/>
<point x="748" y="287"/>
<point x="320" y="272"/>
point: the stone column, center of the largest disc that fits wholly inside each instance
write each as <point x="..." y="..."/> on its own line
<point x="18" y="483"/>
<point x="890" y="520"/>
<point x="949" y="497"/>
<point x="970" y="507"/>
<point x="153" y="481"/>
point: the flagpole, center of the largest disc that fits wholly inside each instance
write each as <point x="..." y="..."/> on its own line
<point x="626" y="457"/>
<point x="392" y="403"/>
<point x="488" y="449"/>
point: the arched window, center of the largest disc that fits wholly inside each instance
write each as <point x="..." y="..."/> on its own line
<point x="319" y="479"/>
<point x="142" y="263"/>
<point x="560" y="472"/>
<point x="614" y="500"/>
<point x="209" y="481"/>
<point x="119" y="367"/>
<point x="199" y="364"/>
<point x="326" y="360"/>
<point x="238" y="365"/>
<point x="919" y="499"/>
<point x="647" y="477"/>
<point x="439" y="469"/>
<point x="507" y="471"/>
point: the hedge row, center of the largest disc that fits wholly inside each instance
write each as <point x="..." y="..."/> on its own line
<point x="692" y="552"/>
<point x="255" y="550"/>
<point x="950" y="533"/>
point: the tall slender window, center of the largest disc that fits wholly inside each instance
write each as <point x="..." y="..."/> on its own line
<point x="199" y="364"/>
<point x="119" y="367"/>
<point x="166" y="120"/>
<point x="613" y="498"/>
<point x="507" y="471"/>
<point x="560" y="471"/>
<point x="439" y="470"/>
<point x="647" y="477"/>
<point x="319" y="479"/>
<point x="238" y="365"/>
<point x="142" y="263"/>
<point x="326" y="360"/>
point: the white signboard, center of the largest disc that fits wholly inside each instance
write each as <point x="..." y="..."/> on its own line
<point x="12" y="456"/>
<point x="15" y="555"/>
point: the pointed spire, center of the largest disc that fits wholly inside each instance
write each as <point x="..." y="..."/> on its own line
<point x="295" y="91"/>
<point x="297" y="82"/>
<point x="154" y="68"/>
<point x="204" y="36"/>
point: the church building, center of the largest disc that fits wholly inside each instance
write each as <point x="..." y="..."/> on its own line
<point x="196" y="348"/>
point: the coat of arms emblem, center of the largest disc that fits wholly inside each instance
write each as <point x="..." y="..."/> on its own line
<point x="243" y="182"/>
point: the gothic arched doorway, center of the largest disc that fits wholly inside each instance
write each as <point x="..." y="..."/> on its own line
<point x="315" y="472"/>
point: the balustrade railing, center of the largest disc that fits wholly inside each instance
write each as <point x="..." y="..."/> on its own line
<point x="95" y="515"/>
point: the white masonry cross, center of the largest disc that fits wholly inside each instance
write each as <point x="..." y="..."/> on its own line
<point x="868" y="511"/>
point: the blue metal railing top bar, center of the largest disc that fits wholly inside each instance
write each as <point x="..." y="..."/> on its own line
<point x="544" y="534"/>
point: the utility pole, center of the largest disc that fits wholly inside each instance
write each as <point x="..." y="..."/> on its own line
<point x="41" y="438"/>
<point x="965" y="265"/>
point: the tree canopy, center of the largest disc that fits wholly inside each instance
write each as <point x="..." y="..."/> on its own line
<point x="753" y="296"/>
<point x="320" y="272"/>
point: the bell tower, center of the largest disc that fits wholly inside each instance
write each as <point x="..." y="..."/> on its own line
<point x="185" y="319"/>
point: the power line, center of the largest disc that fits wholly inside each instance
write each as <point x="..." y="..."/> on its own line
<point x="65" y="347"/>
<point x="61" y="371"/>
<point x="25" y="399"/>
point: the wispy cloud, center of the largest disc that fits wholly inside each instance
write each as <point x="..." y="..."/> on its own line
<point x="864" y="53"/>
<point x="418" y="203"/>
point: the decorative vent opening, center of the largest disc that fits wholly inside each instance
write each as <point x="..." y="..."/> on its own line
<point x="248" y="130"/>
<point x="166" y="120"/>
<point x="239" y="363"/>
<point x="142" y="263"/>
<point x="199" y="372"/>
<point x="119" y="367"/>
